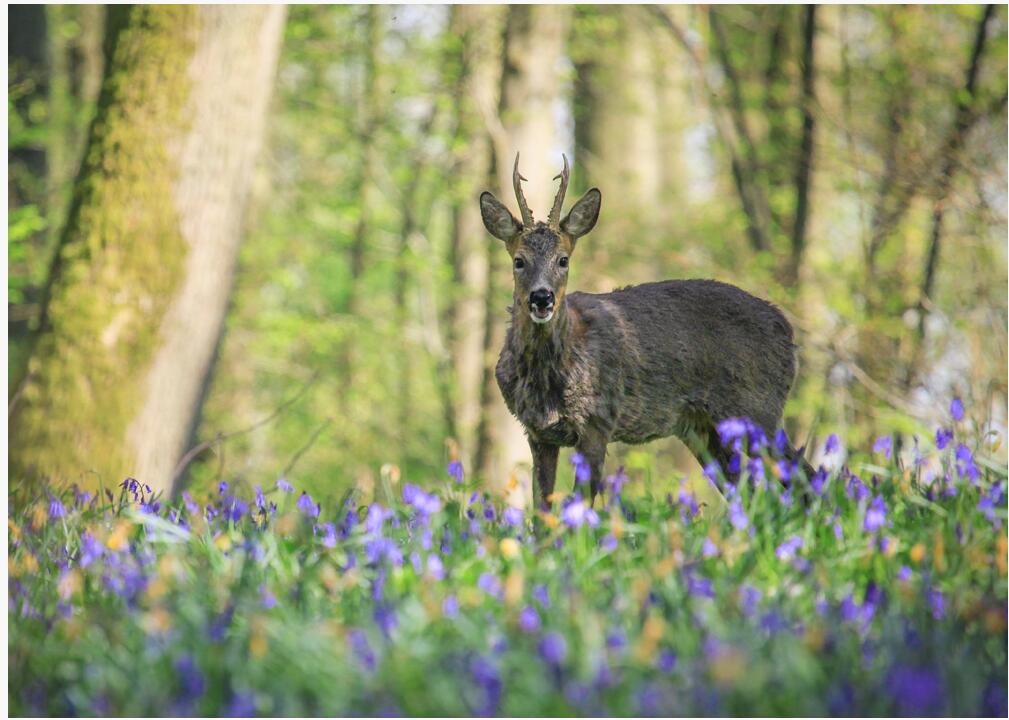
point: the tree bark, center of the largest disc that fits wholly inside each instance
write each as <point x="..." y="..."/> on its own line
<point x="804" y="166"/>
<point x="140" y="284"/>
<point x="534" y="43"/>
<point x="479" y="89"/>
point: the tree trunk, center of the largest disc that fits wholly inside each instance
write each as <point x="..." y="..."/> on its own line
<point x="481" y="29"/>
<point x="804" y="167"/>
<point x="140" y="283"/>
<point x="532" y="85"/>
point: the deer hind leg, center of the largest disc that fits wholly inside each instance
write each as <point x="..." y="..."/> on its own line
<point x="720" y="454"/>
<point x="592" y="446"/>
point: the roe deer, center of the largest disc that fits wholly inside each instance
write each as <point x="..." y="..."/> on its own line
<point x="645" y="362"/>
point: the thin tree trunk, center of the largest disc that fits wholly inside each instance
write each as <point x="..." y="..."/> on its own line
<point x="950" y="162"/>
<point x="534" y="44"/>
<point x="141" y="281"/>
<point x="804" y="167"/>
<point x="481" y="29"/>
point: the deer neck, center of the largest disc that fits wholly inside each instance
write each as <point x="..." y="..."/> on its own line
<point x="541" y="350"/>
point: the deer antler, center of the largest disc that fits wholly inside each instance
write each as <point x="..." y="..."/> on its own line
<point x="555" y="212"/>
<point x="527" y="214"/>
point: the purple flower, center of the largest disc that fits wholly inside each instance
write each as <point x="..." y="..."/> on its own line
<point x="542" y="596"/>
<point x="965" y="466"/>
<point x="756" y="469"/>
<point x="875" y="515"/>
<point x="608" y="542"/>
<point x="737" y="516"/>
<point x="307" y="506"/>
<point x="487" y="678"/>
<point x="191" y="682"/>
<point x="329" y="535"/>
<point x="712" y="471"/>
<point x="700" y="586"/>
<point x="832" y="445"/>
<point x="904" y="574"/>
<point x="242" y="705"/>
<point x="435" y="567"/>
<point x="529" y="619"/>
<point x="450" y="606"/>
<point x="884" y="445"/>
<point x="235" y="509"/>
<point x="583" y="471"/>
<point x="616" y="640"/>
<point x="284" y="486"/>
<point x="917" y="692"/>
<point x="512" y="516"/>
<point x="362" y="648"/>
<point x="818" y="481"/>
<point x="385" y="618"/>
<point x="490" y="584"/>
<point x="616" y="483"/>
<point x="260" y="500"/>
<point x="553" y="649"/>
<point x="574" y="514"/>
<point x="732" y="431"/>
<point x="56" y="509"/>
<point x="788" y="549"/>
<point x="91" y="550"/>
<point x="937" y="603"/>
<point x="942" y="438"/>
<point x="781" y="441"/>
<point x="266" y="598"/>
<point x="749" y="597"/>
<point x="222" y="487"/>
<point x="956" y="409"/>
<point x="455" y="471"/>
<point x="709" y="549"/>
<point x="666" y="660"/>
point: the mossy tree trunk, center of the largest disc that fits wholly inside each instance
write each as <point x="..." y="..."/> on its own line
<point x="140" y="282"/>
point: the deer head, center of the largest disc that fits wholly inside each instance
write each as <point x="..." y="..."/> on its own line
<point x="540" y="251"/>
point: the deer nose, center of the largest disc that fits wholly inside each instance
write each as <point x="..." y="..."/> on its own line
<point x="541" y="298"/>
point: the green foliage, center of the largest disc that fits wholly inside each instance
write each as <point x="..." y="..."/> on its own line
<point x="885" y="596"/>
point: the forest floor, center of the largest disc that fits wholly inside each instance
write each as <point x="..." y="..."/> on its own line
<point x="884" y="594"/>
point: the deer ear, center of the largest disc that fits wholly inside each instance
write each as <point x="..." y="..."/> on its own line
<point x="497" y="219"/>
<point x="582" y="217"/>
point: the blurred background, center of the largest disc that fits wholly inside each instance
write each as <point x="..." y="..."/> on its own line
<point x="244" y="242"/>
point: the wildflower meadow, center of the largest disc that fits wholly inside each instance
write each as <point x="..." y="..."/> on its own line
<point x="876" y="587"/>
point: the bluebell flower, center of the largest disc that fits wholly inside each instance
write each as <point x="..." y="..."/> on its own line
<point x="699" y="586"/>
<point x="541" y="595"/>
<point x="942" y="438"/>
<point x="713" y="471"/>
<point x="875" y="515"/>
<point x="666" y="661"/>
<point x="192" y="684"/>
<point x="362" y="649"/>
<point x="222" y="487"/>
<point x="965" y="466"/>
<point x="56" y="509"/>
<point x="490" y="584"/>
<point x="553" y="648"/>
<point x="266" y="598"/>
<point x="615" y="483"/>
<point x="904" y="574"/>
<point x="583" y="471"/>
<point x="737" y="516"/>
<point x="916" y="691"/>
<point x="781" y="441"/>
<point x="884" y="445"/>
<point x="709" y="549"/>
<point x="832" y="445"/>
<point x="749" y="597"/>
<point x="756" y="469"/>
<point x="788" y="549"/>
<point x="435" y="567"/>
<point x="937" y="603"/>
<point x="450" y="606"/>
<point x="307" y="506"/>
<point x="329" y="535"/>
<point x="455" y="471"/>
<point x="574" y="513"/>
<point x="956" y="409"/>
<point x="260" y="499"/>
<point x="731" y="431"/>
<point x="512" y="516"/>
<point x="91" y="550"/>
<point x="529" y="619"/>
<point x="616" y="640"/>
<point x="284" y="486"/>
<point x="608" y="542"/>
<point x="485" y="674"/>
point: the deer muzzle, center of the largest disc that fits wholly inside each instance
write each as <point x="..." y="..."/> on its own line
<point x="541" y="305"/>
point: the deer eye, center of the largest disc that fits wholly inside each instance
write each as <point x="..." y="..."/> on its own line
<point x="519" y="263"/>
<point x="563" y="262"/>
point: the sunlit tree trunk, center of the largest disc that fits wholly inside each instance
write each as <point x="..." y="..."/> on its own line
<point x="140" y="284"/>
<point x="481" y="30"/>
<point x="534" y="45"/>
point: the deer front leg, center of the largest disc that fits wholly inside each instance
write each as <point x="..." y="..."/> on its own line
<point x="544" y="470"/>
<point x="592" y="445"/>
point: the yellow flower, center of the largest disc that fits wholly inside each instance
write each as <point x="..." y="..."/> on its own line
<point x="510" y="548"/>
<point x="917" y="553"/>
<point x="257" y="638"/>
<point x="513" y="587"/>
<point x="120" y="536"/>
<point x="223" y="542"/>
<point x="727" y="666"/>
<point x="69" y="584"/>
<point x="157" y="621"/>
